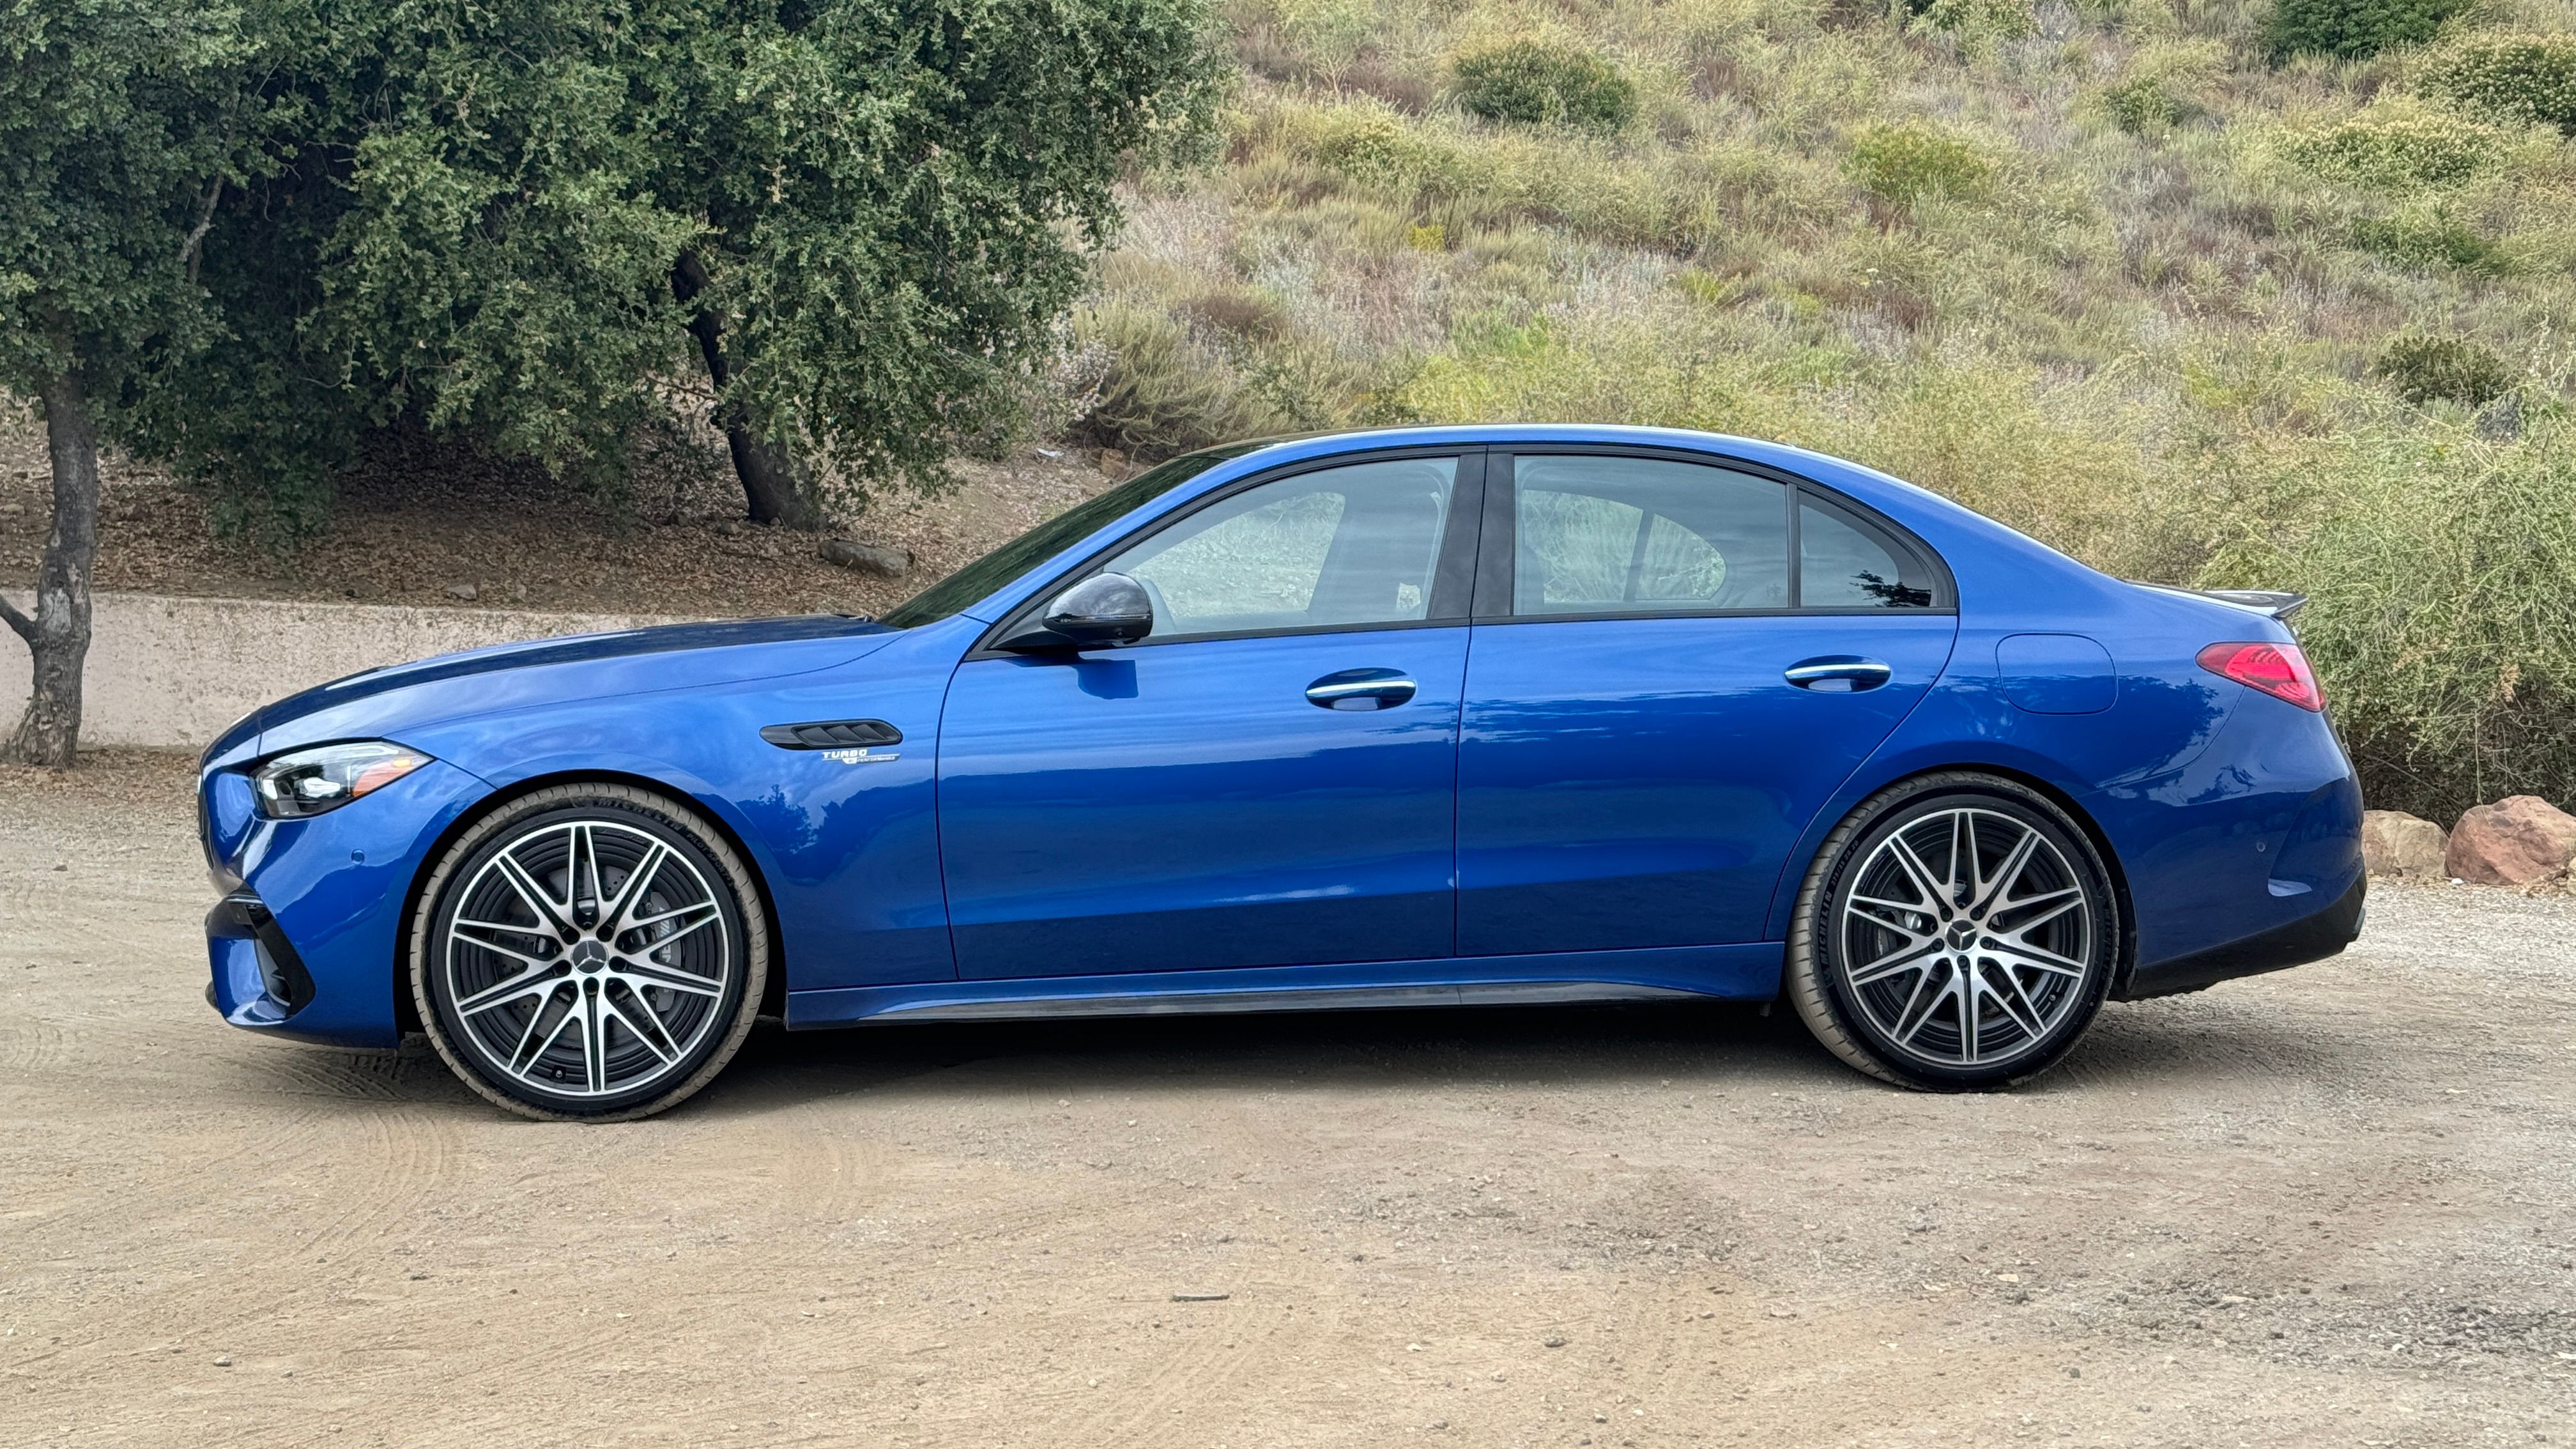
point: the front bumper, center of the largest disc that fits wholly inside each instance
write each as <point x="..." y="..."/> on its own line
<point x="308" y="944"/>
<point x="260" y="981"/>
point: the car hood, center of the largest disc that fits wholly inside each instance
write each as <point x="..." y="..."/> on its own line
<point x="548" y="671"/>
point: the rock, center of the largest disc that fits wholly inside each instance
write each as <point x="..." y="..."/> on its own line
<point x="2394" y="843"/>
<point x="1552" y="1341"/>
<point x="466" y="592"/>
<point x="223" y="1360"/>
<point x="2516" y="841"/>
<point x="867" y="558"/>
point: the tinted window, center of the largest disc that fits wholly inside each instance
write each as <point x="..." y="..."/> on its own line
<point x="1006" y="564"/>
<point x="1642" y="535"/>
<point x="1844" y="564"/>
<point x="1350" y="545"/>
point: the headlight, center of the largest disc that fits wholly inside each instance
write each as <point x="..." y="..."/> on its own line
<point x="309" y="782"/>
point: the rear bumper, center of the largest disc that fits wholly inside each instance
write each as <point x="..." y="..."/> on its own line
<point x="2310" y="938"/>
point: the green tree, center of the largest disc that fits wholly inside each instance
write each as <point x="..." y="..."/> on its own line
<point x="527" y="222"/>
<point x="119" y="120"/>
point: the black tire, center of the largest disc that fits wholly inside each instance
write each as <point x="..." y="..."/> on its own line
<point x="1862" y="964"/>
<point x="535" y="915"/>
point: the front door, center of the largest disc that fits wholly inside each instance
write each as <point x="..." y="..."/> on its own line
<point x="1268" y="779"/>
<point x="1674" y="665"/>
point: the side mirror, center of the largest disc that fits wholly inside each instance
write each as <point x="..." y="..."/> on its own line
<point x="1103" y="609"/>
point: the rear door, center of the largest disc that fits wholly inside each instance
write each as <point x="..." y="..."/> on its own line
<point x="1673" y="665"/>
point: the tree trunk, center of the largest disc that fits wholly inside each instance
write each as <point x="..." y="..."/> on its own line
<point x="772" y="477"/>
<point x="58" y="634"/>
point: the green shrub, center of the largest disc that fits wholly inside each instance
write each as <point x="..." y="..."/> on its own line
<point x="2526" y="80"/>
<point x="1902" y="164"/>
<point x="2428" y="239"/>
<point x="2142" y="105"/>
<point x="1974" y="20"/>
<point x="2442" y="625"/>
<point x="2425" y="368"/>
<point x="2397" y="149"/>
<point x="1536" y="83"/>
<point x="2351" y="29"/>
<point x="1163" y="392"/>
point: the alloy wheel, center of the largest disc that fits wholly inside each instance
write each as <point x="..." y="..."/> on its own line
<point x="1966" y="937"/>
<point x="586" y="959"/>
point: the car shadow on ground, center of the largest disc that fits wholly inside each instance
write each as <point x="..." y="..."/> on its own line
<point x="1391" y="1051"/>
<point x="1712" y="1045"/>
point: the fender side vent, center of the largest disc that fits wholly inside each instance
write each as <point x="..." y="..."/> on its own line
<point x="837" y="734"/>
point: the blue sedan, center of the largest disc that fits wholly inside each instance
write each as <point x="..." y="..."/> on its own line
<point x="1429" y="716"/>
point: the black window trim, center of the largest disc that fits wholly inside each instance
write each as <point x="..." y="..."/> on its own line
<point x="1453" y="572"/>
<point x="1495" y="563"/>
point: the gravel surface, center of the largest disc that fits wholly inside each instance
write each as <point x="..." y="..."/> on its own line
<point x="2331" y="1206"/>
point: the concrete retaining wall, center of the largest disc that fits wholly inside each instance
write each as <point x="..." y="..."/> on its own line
<point x="174" y="672"/>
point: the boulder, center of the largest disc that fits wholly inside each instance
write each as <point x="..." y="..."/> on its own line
<point x="867" y="558"/>
<point x="2516" y="841"/>
<point x="2394" y="843"/>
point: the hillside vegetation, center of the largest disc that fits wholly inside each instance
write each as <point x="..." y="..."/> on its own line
<point x="2196" y="290"/>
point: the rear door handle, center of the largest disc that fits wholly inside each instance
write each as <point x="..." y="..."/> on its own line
<point x="1361" y="689"/>
<point x="1837" y="673"/>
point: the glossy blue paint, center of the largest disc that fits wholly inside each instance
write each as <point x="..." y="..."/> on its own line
<point x="2056" y="673"/>
<point x="1629" y="802"/>
<point x="1639" y="782"/>
<point x="1186" y="805"/>
<point x="337" y="885"/>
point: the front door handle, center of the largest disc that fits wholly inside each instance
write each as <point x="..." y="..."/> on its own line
<point x="1837" y="673"/>
<point x="1361" y="689"/>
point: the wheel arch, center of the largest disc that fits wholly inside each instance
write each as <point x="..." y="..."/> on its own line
<point x="407" y="1012"/>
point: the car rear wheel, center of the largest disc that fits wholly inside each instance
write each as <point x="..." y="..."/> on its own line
<point x="1955" y="932"/>
<point x="589" y="953"/>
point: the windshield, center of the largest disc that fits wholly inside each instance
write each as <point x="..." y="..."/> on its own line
<point x="1005" y="564"/>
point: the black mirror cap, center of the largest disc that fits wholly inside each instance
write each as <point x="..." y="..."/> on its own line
<point x="1102" y="609"/>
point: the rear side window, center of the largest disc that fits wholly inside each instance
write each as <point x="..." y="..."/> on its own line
<point x="1846" y="563"/>
<point x="1615" y="535"/>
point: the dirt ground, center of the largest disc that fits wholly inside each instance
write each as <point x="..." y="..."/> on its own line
<point x="2331" y="1206"/>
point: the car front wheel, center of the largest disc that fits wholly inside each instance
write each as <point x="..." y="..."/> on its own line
<point x="1955" y="932"/>
<point x="588" y="952"/>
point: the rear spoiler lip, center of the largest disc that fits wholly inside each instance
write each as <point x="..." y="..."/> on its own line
<point x="2270" y="603"/>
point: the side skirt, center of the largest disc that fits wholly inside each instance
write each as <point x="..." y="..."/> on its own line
<point x="1732" y="973"/>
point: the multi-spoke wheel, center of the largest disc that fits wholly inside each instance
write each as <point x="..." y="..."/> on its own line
<point x="1955" y="931"/>
<point x="588" y="951"/>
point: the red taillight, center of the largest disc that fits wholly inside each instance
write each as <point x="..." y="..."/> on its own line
<point x="2279" y="670"/>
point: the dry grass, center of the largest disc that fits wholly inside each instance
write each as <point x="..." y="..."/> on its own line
<point x="2105" y="275"/>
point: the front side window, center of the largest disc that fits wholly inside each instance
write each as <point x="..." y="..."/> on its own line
<point x="1005" y="565"/>
<point x="1354" y="545"/>
<point x="1611" y="535"/>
